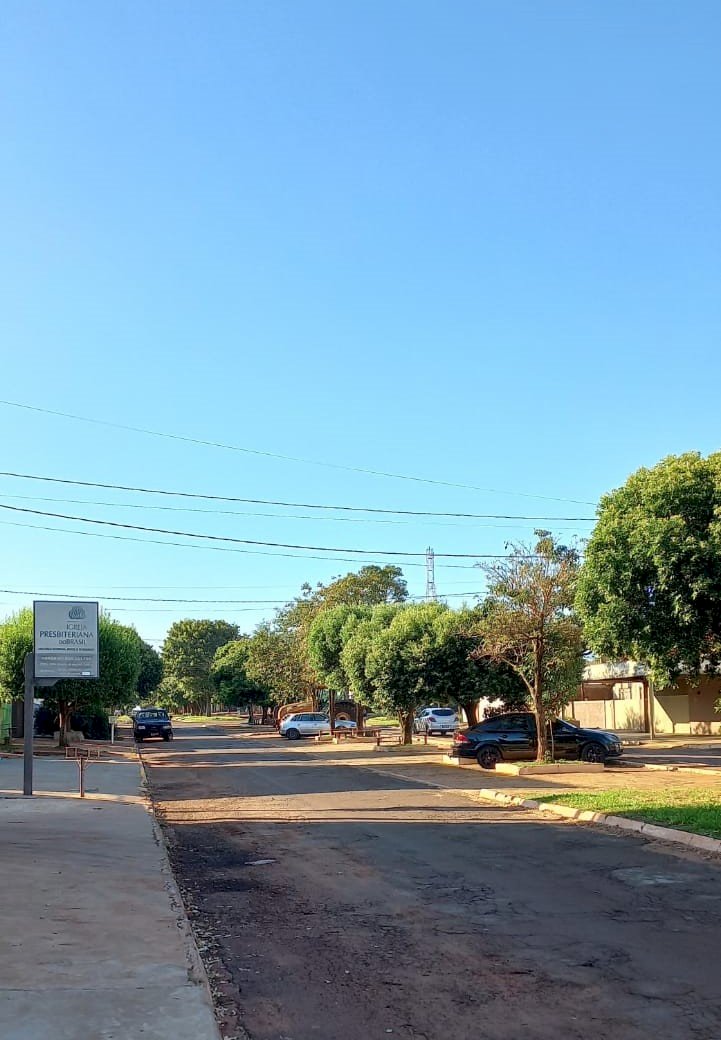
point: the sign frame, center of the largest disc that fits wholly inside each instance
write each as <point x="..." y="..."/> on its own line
<point x="65" y="639"/>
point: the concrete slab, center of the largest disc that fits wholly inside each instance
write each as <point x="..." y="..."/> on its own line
<point x="96" y="942"/>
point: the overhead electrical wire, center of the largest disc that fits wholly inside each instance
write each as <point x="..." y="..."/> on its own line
<point x="218" y="548"/>
<point x="234" y="512"/>
<point x="251" y="541"/>
<point x="290" y="505"/>
<point x="216" y="602"/>
<point x="276" y="455"/>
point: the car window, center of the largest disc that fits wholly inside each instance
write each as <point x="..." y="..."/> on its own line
<point x="509" y="724"/>
<point x="320" y="717"/>
<point x="559" y="726"/>
<point x="152" y="715"/>
<point x="443" y="712"/>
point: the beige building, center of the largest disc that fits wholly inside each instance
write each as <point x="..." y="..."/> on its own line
<point x="620" y="696"/>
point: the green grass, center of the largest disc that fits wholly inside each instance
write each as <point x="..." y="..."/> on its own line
<point x="698" y="811"/>
<point x="225" y="716"/>
<point x="381" y="720"/>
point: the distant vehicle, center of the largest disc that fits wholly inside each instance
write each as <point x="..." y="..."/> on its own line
<point x="345" y="724"/>
<point x="304" y="724"/>
<point x="152" y="722"/>
<point x="512" y="737"/>
<point x="435" y="720"/>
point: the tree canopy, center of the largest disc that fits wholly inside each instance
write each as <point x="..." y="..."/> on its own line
<point x="650" y="586"/>
<point x="528" y="623"/>
<point x="188" y="653"/>
<point x="229" y="672"/>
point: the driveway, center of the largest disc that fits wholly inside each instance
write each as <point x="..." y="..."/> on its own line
<point x="334" y="900"/>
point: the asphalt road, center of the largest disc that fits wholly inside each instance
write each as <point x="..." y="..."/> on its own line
<point x="690" y="755"/>
<point x="336" y="902"/>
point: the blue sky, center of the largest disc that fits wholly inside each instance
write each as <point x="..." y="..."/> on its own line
<point x="474" y="242"/>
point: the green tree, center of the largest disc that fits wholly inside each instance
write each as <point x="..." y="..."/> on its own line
<point x="119" y="649"/>
<point x="650" y="586"/>
<point x="273" y="664"/>
<point x="528" y="624"/>
<point x="229" y="672"/>
<point x="188" y="652"/>
<point x="151" y="671"/>
<point x="172" y="694"/>
<point x="369" y="586"/>
<point x="468" y="676"/>
<point x="357" y="636"/>
<point x="405" y="663"/>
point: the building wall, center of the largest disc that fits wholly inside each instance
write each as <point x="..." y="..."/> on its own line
<point x="617" y="706"/>
<point x="688" y="708"/>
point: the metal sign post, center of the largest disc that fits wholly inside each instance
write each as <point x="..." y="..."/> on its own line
<point x="65" y="646"/>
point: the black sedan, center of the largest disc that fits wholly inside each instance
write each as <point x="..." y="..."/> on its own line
<point x="152" y="722"/>
<point x="512" y="737"/>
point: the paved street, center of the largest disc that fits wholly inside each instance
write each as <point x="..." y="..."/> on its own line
<point x="333" y="900"/>
<point x="700" y="754"/>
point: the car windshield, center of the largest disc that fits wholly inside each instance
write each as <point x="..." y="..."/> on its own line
<point x="153" y="715"/>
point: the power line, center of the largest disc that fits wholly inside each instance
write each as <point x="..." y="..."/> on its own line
<point x="217" y="548"/>
<point x="290" y="505"/>
<point x="244" y="513"/>
<point x="252" y="541"/>
<point x="153" y="599"/>
<point x="277" y="455"/>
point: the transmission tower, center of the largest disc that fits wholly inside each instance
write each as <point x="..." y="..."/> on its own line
<point x="430" y="575"/>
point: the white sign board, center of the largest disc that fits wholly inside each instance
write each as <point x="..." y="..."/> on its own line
<point x="66" y="639"/>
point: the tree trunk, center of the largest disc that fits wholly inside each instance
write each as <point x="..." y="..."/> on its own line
<point x="265" y="714"/>
<point x="359" y="716"/>
<point x="538" y="706"/>
<point x="471" y="710"/>
<point x="331" y="709"/>
<point x="407" y="727"/>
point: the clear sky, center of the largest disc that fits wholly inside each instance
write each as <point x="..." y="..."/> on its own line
<point x="477" y="242"/>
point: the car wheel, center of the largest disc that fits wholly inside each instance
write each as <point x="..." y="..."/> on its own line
<point x="488" y="757"/>
<point x="293" y="734"/>
<point x="593" y="753"/>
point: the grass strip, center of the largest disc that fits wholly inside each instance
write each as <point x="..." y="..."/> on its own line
<point x="698" y="811"/>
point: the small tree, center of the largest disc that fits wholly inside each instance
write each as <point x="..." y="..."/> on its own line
<point x="468" y="677"/>
<point x="405" y="663"/>
<point x="229" y="672"/>
<point x="528" y="624"/>
<point x="358" y="635"/>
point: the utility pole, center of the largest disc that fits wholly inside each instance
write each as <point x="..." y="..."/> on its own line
<point x="431" y="594"/>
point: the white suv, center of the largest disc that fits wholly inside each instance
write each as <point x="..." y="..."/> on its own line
<point x="304" y="724"/>
<point x="435" y="720"/>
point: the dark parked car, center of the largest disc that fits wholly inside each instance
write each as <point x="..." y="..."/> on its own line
<point x="152" y="722"/>
<point x="510" y="737"/>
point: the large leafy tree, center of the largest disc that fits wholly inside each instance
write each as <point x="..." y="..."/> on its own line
<point x="405" y="663"/>
<point x="529" y="625"/>
<point x="188" y="653"/>
<point x="119" y="650"/>
<point x="469" y="677"/>
<point x="650" y="586"/>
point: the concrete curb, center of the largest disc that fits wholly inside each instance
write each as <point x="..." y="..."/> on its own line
<point x="650" y="830"/>
<point x="699" y="842"/>
<point x="196" y="969"/>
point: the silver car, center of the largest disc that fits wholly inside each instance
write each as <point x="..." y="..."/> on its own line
<point x="435" y="720"/>
<point x="304" y="724"/>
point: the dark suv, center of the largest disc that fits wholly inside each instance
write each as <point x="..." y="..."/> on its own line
<point x="512" y="737"/>
<point x="152" y="722"/>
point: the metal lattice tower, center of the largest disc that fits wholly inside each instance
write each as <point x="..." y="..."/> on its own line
<point x="430" y="575"/>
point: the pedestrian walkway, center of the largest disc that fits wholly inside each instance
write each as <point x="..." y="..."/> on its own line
<point x="94" y="943"/>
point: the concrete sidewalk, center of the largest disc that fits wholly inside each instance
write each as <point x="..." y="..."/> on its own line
<point x="94" y="942"/>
